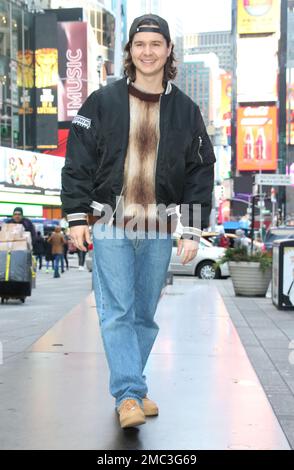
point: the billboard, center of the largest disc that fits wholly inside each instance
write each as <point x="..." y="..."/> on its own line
<point x="257" y="138"/>
<point x="258" y="16"/>
<point x="72" y="67"/>
<point x="33" y="171"/>
<point x="25" y="80"/>
<point x="225" y="106"/>
<point x="257" y="69"/>
<point x="290" y="107"/>
<point x="25" y="83"/>
<point x="46" y="79"/>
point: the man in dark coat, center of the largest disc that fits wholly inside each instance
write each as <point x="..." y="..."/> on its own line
<point x="18" y="218"/>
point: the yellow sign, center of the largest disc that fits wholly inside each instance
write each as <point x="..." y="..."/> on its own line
<point x="47" y="109"/>
<point x="25" y="68"/>
<point x="46" y="67"/>
<point x="258" y="16"/>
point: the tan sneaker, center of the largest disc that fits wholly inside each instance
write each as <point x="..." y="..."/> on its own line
<point x="150" y="408"/>
<point x="131" y="414"/>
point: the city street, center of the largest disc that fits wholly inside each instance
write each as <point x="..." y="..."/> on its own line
<point x="153" y="142"/>
<point x="224" y="361"/>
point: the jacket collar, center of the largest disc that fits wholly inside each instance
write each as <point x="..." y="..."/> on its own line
<point x="168" y="87"/>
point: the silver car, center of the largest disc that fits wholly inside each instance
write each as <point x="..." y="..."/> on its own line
<point x="203" y="265"/>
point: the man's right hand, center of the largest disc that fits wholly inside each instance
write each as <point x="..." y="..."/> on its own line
<point x="79" y="234"/>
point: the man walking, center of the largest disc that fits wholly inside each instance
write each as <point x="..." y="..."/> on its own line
<point x="136" y="150"/>
<point x="57" y="241"/>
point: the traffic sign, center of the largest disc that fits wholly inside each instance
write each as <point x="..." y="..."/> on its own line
<point x="274" y="180"/>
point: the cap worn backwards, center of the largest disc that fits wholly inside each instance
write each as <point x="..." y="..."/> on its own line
<point x="161" y="26"/>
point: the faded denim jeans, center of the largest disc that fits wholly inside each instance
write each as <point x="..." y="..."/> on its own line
<point x="128" y="276"/>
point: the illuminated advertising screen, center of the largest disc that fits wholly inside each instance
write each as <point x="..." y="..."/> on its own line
<point x="72" y="65"/>
<point x="33" y="172"/>
<point x="258" y="16"/>
<point x="288" y="276"/>
<point x="25" y="80"/>
<point x="46" y="80"/>
<point x="290" y="106"/>
<point x="257" y="138"/>
<point x="225" y="107"/>
<point x="257" y="69"/>
<point x="25" y="84"/>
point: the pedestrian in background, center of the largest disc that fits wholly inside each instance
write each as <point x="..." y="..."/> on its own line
<point x="57" y="242"/>
<point x="39" y="249"/>
<point x="18" y="218"/>
<point x="82" y="257"/>
<point x="65" y="248"/>
<point x="48" y="253"/>
<point x="241" y="240"/>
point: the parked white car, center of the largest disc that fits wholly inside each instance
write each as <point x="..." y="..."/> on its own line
<point x="203" y="264"/>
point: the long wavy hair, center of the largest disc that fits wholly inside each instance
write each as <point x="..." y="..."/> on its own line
<point x="170" y="69"/>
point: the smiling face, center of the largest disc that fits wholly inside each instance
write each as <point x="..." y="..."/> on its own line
<point x="149" y="53"/>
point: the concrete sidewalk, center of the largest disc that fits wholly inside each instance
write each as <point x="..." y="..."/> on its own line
<point x="266" y="334"/>
<point x="55" y="395"/>
<point x="23" y="324"/>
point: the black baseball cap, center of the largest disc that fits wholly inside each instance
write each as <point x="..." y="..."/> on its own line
<point x="18" y="209"/>
<point x="139" y="26"/>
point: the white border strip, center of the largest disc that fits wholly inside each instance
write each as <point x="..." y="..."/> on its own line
<point x="76" y="216"/>
<point x="97" y="206"/>
<point x="192" y="231"/>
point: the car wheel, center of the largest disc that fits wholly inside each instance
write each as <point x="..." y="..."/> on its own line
<point x="207" y="270"/>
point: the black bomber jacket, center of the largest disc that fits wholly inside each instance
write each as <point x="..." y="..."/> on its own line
<point x="97" y="146"/>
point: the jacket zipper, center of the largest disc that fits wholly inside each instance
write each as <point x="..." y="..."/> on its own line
<point x="199" y="147"/>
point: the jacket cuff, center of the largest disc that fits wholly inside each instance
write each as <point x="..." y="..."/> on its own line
<point x="77" y="222"/>
<point x="191" y="233"/>
<point x="77" y="218"/>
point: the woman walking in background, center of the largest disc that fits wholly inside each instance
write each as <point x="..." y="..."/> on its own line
<point x="39" y="249"/>
<point x="48" y="253"/>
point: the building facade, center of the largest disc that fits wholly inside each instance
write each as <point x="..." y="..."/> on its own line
<point x="16" y="71"/>
<point x="198" y="77"/>
<point x="50" y="60"/>
<point x="219" y="42"/>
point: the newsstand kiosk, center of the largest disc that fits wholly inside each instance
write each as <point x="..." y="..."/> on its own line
<point x="283" y="274"/>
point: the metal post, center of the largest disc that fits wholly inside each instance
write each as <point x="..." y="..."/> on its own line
<point x="118" y="42"/>
<point x="10" y="66"/>
<point x="252" y="221"/>
<point x="23" y="87"/>
<point x="282" y="94"/>
<point x="261" y="203"/>
<point x="234" y="90"/>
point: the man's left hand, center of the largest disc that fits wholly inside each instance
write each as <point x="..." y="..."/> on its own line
<point x="190" y="248"/>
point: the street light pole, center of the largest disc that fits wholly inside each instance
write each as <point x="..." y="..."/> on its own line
<point x="282" y="95"/>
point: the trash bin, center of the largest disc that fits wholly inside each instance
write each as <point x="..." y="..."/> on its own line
<point x="283" y="274"/>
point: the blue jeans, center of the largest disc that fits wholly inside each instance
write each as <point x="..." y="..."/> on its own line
<point x="128" y="276"/>
<point x="58" y="258"/>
